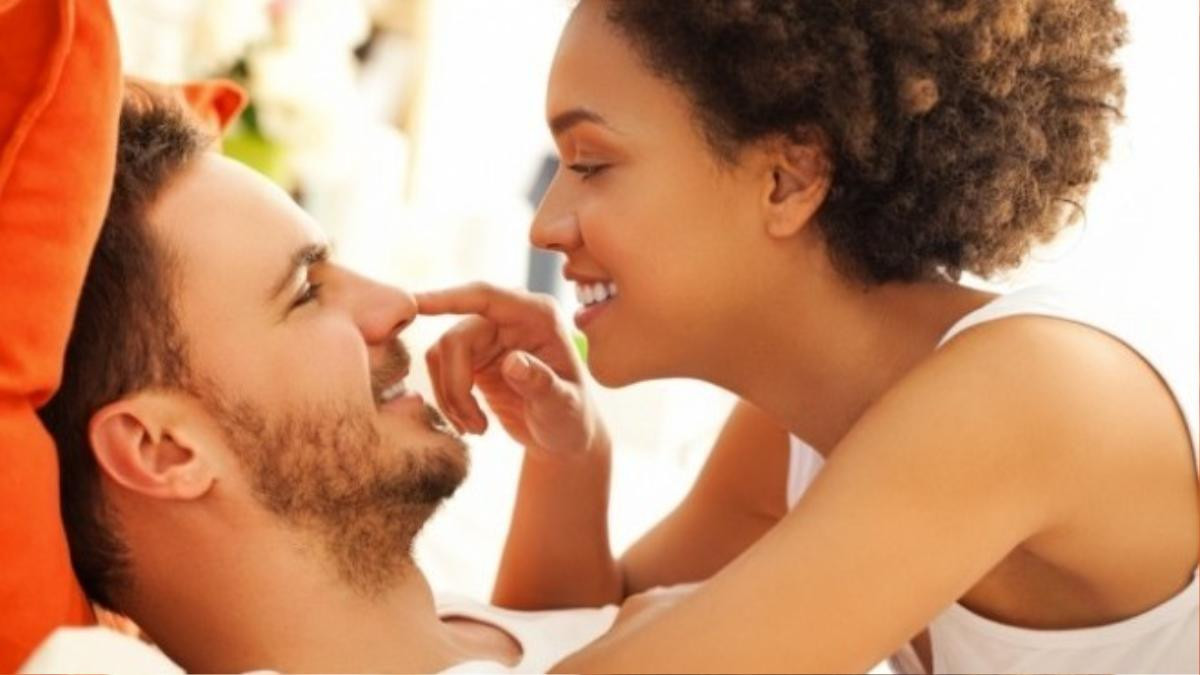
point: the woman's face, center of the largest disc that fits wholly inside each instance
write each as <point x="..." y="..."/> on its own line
<point x="642" y="206"/>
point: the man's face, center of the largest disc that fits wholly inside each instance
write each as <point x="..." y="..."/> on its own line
<point x="298" y="362"/>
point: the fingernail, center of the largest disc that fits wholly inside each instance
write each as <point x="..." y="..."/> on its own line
<point x="518" y="367"/>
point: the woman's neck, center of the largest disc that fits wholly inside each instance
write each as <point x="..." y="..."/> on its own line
<point x="821" y="356"/>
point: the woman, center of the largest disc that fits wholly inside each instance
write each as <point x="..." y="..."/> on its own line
<point x="778" y="198"/>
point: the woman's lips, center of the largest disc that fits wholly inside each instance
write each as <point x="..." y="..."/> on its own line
<point x="587" y="314"/>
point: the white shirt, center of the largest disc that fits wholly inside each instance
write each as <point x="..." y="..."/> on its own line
<point x="545" y="638"/>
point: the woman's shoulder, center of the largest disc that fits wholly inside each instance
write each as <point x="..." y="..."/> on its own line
<point x="1068" y="380"/>
<point x="1044" y="421"/>
<point x="1035" y="384"/>
<point x="1058" y="397"/>
<point x="1101" y="423"/>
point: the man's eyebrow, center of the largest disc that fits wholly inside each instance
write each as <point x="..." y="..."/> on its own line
<point x="567" y="119"/>
<point x="308" y="254"/>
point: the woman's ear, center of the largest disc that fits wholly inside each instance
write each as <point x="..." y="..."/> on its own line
<point x="799" y="183"/>
<point x="137" y="447"/>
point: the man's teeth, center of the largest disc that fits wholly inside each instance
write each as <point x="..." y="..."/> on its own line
<point x="393" y="391"/>
<point x="590" y="294"/>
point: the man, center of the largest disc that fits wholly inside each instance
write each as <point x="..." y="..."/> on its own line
<point x="243" y="468"/>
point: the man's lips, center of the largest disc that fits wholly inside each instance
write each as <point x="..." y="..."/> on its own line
<point x="396" y="390"/>
<point x="386" y="386"/>
<point x="387" y="379"/>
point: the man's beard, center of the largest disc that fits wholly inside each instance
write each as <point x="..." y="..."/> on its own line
<point x="326" y="469"/>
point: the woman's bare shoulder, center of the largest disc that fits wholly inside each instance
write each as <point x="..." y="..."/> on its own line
<point x="1075" y="381"/>
<point x="1078" y="410"/>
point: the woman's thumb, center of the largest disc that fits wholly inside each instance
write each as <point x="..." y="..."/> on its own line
<point x="527" y="375"/>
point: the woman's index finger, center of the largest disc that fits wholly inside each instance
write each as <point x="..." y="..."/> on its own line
<point x="482" y="299"/>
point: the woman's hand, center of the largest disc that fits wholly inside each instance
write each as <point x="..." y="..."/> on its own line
<point x="514" y="349"/>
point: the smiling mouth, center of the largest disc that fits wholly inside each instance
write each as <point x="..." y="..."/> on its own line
<point x="394" y="391"/>
<point x="595" y="293"/>
<point x="387" y="378"/>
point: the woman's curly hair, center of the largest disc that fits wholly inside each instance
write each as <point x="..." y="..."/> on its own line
<point x="960" y="132"/>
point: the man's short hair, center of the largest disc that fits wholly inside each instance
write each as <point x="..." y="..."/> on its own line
<point x="126" y="337"/>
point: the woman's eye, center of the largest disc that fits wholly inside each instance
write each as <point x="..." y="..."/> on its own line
<point x="310" y="293"/>
<point x="587" y="171"/>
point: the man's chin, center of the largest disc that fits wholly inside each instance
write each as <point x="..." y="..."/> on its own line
<point x="442" y="469"/>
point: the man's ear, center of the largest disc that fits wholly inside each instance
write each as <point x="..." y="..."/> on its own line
<point x="800" y="177"/>
<point x="136" y="446"/>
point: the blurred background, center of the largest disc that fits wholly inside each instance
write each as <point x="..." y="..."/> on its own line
<point x="413" y="130"/>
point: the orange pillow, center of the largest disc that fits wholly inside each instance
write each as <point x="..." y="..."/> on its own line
<point x="58" y="126"/>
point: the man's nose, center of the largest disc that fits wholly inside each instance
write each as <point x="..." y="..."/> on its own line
<point x="382" y="311"/>
<point x="555" y="226"/>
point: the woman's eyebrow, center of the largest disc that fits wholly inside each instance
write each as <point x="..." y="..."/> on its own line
<point x="305" y="256"/>
<point x="564" y="121"/>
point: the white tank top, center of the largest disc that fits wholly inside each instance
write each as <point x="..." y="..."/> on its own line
<point x="1164" y="639"/>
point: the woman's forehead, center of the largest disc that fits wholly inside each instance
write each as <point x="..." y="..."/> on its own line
<point x="597" y="70"/>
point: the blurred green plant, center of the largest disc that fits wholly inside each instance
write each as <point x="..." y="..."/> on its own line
<point x="581" y="345"/>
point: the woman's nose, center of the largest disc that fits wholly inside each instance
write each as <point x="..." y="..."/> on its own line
<point x="555" y="226"/>
<point x="559" y="233"/>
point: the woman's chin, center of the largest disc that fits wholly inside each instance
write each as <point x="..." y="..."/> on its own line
<point x="606" y="374"/>
<point x="619" y="370"/>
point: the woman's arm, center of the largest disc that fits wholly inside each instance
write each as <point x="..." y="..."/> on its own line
<point x="740" y="494"/>
<point x="557" y="553"/>
<point x="969" y="457"/>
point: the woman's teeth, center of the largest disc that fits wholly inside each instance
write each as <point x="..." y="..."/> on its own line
<point x="398" y="389"/>
<point x="591" y="294"/>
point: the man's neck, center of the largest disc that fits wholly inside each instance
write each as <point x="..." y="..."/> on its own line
<point x="275" y="607"/>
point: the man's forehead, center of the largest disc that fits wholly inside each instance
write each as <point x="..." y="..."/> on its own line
<point x="218" y="212"/>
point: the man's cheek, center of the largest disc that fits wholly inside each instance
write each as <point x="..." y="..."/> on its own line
<point x="328" y="361"/>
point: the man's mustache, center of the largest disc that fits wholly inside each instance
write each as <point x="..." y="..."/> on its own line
<point x="392" y="368"/>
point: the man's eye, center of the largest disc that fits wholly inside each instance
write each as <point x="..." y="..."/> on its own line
<point x="587" y="171"/>
<point x="310" y="293"/>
